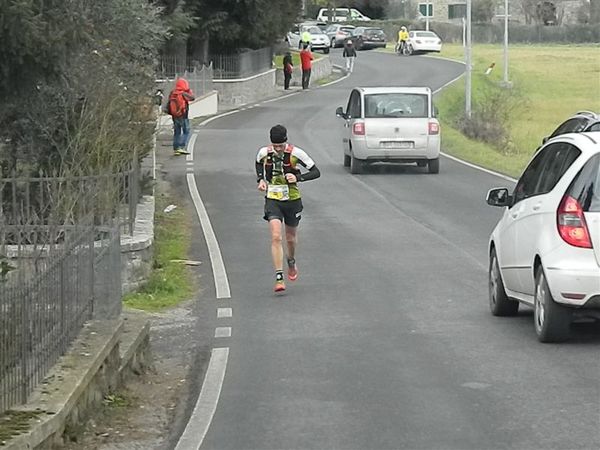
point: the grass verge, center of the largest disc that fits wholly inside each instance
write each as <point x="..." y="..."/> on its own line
<point x="551" y="82"/>
<point x="170" y="281"/>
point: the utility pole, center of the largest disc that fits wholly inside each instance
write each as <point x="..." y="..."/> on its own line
<point x="468" y="64"/>
<point x="427" y="15"/>
<point x="506" y="82"/>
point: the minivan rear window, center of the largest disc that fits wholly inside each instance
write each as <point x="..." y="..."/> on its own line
<point x="586" y="186"/>
<point x="395" y="105"/>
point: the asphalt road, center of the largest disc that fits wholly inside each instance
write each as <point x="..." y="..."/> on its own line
<point x="385" y="341"/>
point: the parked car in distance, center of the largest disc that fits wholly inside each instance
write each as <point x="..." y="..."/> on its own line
<point x="341" y="15"/>
<point x="318" y="39"/>
<point x="368" y="37"/>
<point x="390" y="124"/>
<point x="338" y="33"/>
<point x="545" y="250"/>
<point x="580" y="121"/>
<point x="424" y="41"/>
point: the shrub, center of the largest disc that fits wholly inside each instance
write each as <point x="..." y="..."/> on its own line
<point x="491" y="107"/>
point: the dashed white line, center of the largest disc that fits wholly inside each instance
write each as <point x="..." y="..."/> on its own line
<point x="221" y="332"/>
<point x="224" y="312"/>
<point x="205" y="408"/>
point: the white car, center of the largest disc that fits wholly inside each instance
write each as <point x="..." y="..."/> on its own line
<point x="424" y="41"/>
<point x="318" y="39"/>
<point x="341" y="15"/>
<point x="390" y="124"/>
<point x="545" y="250"/>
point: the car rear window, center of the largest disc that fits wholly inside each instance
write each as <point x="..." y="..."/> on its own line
<point x="586" y="186"/>
<point x="425" y="34"/>
<point x="373" y="32"/>
<point x="336" y="13"/>
<point x="396" y="105"/>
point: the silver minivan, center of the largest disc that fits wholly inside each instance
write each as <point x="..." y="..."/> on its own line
<point x="390" y="124"/>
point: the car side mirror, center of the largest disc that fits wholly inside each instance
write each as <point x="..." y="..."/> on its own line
<point x="498" y="197"/>
<point x="340" y="112"/>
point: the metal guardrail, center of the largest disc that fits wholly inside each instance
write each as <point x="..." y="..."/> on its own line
<point x="60" y="263"/>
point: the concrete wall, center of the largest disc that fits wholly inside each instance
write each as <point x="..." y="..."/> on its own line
<point x="245" y="90"/>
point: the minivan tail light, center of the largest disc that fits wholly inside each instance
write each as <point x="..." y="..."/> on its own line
<point x="434" y="128"/>
<point x="358" y="129"/>
<point x="571" y="223"/>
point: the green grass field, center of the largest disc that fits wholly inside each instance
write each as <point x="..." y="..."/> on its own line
<point x="549" y="84"/>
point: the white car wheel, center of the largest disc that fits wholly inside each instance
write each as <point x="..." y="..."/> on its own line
<point x="552" y="321"/>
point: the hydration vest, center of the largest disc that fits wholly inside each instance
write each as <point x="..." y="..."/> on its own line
<point x="288" y="167"/>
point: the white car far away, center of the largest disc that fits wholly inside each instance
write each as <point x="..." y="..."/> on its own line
<point x="424" y="41"/>
<point x="341" y="15"/>
<point x="390" y="124"/>
<point x="318" y="39"/>
<point x="545" y="250"/>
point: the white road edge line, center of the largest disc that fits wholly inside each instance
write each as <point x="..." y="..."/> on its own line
<point x="216" y="259"/>
<point x="190" y="148"/>
<point x="201" y="418"/>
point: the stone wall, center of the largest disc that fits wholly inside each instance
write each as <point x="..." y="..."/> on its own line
<point x="137" y="251"/>
<point x="101" y="360"/>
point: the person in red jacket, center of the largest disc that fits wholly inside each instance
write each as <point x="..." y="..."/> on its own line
<point x="178" y="106"/>
<point x="306" y="58"/>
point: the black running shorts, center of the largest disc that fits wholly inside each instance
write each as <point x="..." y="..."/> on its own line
<point x="286" y="211"/>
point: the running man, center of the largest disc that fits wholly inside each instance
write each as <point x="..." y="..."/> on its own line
<point x="278" y="176"/>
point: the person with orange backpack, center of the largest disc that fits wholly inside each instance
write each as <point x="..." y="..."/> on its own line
<point x="178" y="107"/>
<point x="278" y="176"/>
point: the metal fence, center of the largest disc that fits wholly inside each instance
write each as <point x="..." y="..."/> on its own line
<point x="199" y="76"/>
<point x="242" y="65"/>
<point x="60" y="265"/>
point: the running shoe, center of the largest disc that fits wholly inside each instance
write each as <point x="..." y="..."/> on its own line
<point x="279" y="286"/>
<point x="292" y="269"/>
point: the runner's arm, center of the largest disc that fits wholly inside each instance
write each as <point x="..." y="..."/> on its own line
<point x="312" y="174"/>
<point x="306" y="161"/>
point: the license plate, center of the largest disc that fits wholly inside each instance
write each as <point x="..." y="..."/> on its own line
<point x="396" y="144"/>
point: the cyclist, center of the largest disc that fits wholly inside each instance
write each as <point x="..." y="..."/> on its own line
<point x="402" y="39"/>
<point x="277" y="175"/>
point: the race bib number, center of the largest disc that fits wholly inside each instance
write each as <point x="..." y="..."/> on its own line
<point x="278" y="192"/>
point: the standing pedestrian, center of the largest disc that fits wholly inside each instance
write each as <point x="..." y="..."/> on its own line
<point x="178" y="107"/>
<point x="305" y="39"/>
<point x="278" y="176"/>
<point x="349" y="53"/>
<point x="288" y="68"/>
<point x="306" y="58"/>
